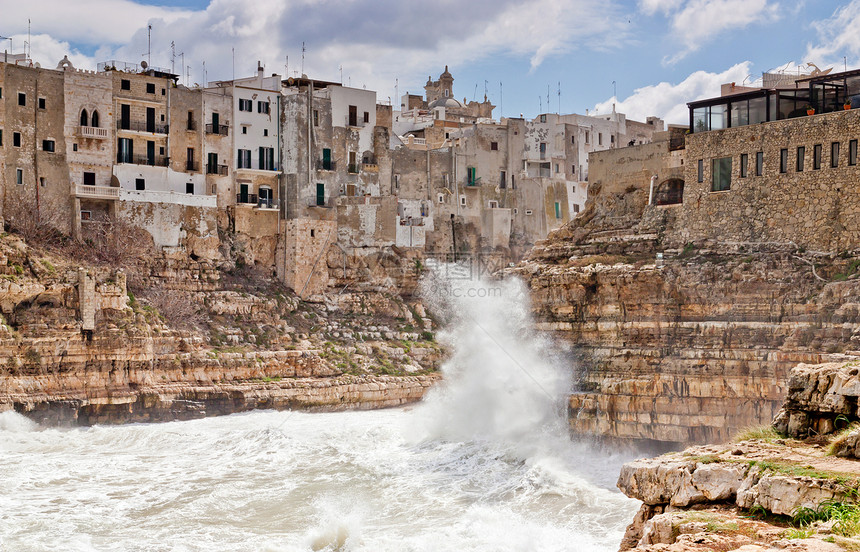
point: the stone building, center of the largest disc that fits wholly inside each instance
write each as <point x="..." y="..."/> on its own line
<point x="34" y="175"/>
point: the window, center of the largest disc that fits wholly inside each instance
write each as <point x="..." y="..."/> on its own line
<point x="543" y="150"/>
<point x="125" y="84"/>
<point x="556" y="168"/>
<point x="463" y="201"/>
<point x="440" y="198"/>
<point x="150" y="88"/>
<point x="1" y="92"/>
<point x="41" y="103"/>
<point x="586" y="137"/>
<point x="353" y="116"/>
<point x="783" y="160"/>
<point x="262" y="107"/>
<point x="244" y="129"/>
<point x="189" y="188"/>
<point x="1" y="137"/>
<point x="576" y="208"/>
<point x="74" y="147"/>
<point x="265" y="132"/>
<point x="22" y="98"/>
<point x="759" y="163"/>
<point x="721" y="174"/>
<point x="612" y="139"/>
<point x="313" y="232"/>
<point x="86" y="214"/>
<point x="89" y="179"/>
<point x="267" y="159"/>
<point x="19" y="176"/>
<point x="543" y="118"/>
<point x="503" y="180"/>
<point x="744" y="164"/>
<point x="16" y="139"/>
<point x="316" y="118"/>
<point x="243" y="159"/>
<point x="493" y="204"/>
<point x="48" y="145"/>
<point x="816" y="157"/>
<point x="189" y="159"/>
<point x="852" y="152"/>
<point x="245" y="105"/>
<point x="125" y="150"/>
<point x="85" y="118"/>
<point x="139" y="184"/>
<point x="700" y="171"/>
<point x="396" y="181"/>
<point x="471" y="176"/>
<point x="557" y="210"/>
<point x="599" y="138"/>
<point x="573" y="170"/>
<point x="513" y="182"/>
<point x="42" y="182"/>
<point x="801" y="157"/>
<point x="834" y="154"/>
<point x="320" y="194"/>
<point x="572" y="140"/>
<point x="494" y="146"/>
<point x="366" y="117"/>
<point x="190" y="122"/>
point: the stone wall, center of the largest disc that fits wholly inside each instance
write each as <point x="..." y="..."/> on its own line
<point x="813" y="208"/>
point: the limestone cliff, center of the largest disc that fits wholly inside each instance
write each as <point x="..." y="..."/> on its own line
<point x="171" y="337"/>
<point x="768" y="491"/>
<point x="684" y="345"/>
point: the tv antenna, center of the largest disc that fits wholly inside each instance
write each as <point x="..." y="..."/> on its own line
<point x="148" y="52"/>
<point x="303" y="58"/>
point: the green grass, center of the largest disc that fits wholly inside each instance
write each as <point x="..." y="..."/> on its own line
<point x="795" y="533"/>
<point x="845" y="515"/>
<point x="840" y="438"/>
<point x="764" y="433"/>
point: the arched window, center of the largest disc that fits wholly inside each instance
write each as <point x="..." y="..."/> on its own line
<point x="95" y="119"/>
<point x="84" y="118"/>
<point x="670" y="192"/>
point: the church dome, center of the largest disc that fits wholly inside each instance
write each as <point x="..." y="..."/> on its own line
<point x="445" y="102"/>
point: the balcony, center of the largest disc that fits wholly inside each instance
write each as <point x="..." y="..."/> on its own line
<point x="220" y="170"/>
<point x="326" y="165"/>
<point x="96" y="192"/>
<point x="191" y="166"/>
<point x="93" y="132"/>
<point x="246" y="199"/>
<point x="221" y="130"/>
<point x="370" y="167"/>
<point x="139" y="126"/>
<point x="352" y="168"/>
<point x="266" y="203"/>
<point x="191" y="126"/>
<point x="158" y="161"/>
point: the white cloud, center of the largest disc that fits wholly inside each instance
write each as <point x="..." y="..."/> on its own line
<point x="838" y="36"/>
<point x="696" y="22"/>
<point x="653" y="6"/>
<point x="48" y="51"/>
<point x="669" y="101"/>
<point x="84" y="21"/>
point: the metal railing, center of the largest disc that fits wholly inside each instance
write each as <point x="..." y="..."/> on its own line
<point x="217" y="169"/>
<point x="158" y="161"/>
<point x="265" y="203"/>
<point x="352" y="168"/>
<point x="192" y="125"/>
<point x="141" y="126"/>
<point x="670" y="196"/>
<point x="222" y="130"/>
<point x="249" y="199"/>
<point x="192" y="166"/>
<point x="326" y="165"/>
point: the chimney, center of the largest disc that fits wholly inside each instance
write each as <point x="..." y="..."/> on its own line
<point x="259" y="69"/>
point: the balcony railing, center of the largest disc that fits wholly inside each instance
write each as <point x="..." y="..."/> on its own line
<point x="192" y="166"/>
<point x="249" y="199"/>
<point x="266" y="203"/>
<point x="93" y="132"/>
<point x="217" y="169"/>
<point x="158" y="161"/>
<point x="96" y="192"/>
<point x="326" y="165"/>
<point x="141" y="126"/>
<point x="222" y="130"/>
<point x="370" y="167"/>
<point x="352" y="168"/>
<point x="192" y="125"/>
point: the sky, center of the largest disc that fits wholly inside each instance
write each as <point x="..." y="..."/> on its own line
<point x="648" y="57"/>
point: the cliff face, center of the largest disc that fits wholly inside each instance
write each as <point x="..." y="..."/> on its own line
<point x="774" y="489"/>
<point x="197" y="339"/>
<point x="692" y="346"/>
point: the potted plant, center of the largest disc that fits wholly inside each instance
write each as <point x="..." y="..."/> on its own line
<point x="810" y="110"/>
<point x="847" y="105"/>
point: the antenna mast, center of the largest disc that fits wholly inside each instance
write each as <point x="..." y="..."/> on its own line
<point x="501" y="102"/>
<point x="303" y="58"/>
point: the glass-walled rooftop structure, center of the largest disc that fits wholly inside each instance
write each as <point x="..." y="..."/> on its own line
<point x="823" y="93"/>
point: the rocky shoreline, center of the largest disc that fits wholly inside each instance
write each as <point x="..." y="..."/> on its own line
<point x="186" y="401"/>
<point x="790" y="486"/>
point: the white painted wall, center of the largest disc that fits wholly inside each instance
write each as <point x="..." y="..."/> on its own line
<point x="173" y="198"/>
<point x="158" y="179"/>
<point x="364" y="100"/>
<point x="257" y="124"/>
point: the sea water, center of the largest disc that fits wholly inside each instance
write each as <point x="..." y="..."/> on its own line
<point x="484" y="463"/>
